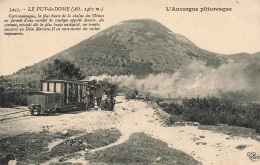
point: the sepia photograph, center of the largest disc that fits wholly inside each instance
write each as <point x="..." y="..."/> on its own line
<point x="126" y="82"/>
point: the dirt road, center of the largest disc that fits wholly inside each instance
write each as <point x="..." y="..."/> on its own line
<point x="137" y="116"/>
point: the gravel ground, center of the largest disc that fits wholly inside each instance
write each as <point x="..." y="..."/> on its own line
<point x="136" y="116"/>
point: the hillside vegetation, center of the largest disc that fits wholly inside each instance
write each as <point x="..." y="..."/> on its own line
<point x="14" y="90"/>
<point x="215" y="110"/>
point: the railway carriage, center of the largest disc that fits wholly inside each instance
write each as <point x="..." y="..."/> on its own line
<point x="62" y="95"/>
<point x="57" y="95"/>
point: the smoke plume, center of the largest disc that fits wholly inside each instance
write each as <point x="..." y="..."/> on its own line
<point x="193" y="80"/>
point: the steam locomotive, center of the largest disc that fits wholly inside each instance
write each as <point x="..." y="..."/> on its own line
<point x="62" y="95"/>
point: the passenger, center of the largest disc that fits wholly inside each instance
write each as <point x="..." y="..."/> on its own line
<point x="86" y="98"/>
<point x="112" y="104"/>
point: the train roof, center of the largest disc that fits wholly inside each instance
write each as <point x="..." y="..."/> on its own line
<point x="42" y="92"/>
<point x="66" y="81"/>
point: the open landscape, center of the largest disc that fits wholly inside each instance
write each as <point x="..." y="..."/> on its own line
<point x="164" y="100"/>
<point x="134" y="133"/>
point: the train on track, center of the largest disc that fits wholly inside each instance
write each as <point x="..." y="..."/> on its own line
<point x="61" y="95"/>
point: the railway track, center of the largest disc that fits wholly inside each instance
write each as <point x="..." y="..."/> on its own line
<point x="14" y="116"/>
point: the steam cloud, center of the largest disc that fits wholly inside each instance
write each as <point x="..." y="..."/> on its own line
<point x="191" y="81"/>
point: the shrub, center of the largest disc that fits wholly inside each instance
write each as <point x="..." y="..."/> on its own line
<point x="163" y="104"/>
<point x="149" y="97"/>
<point x="258" y="122"/>
<point x="214" y="110"/>
<point x="174" y="109"/>
<point x="258" y="128"/>
<point x="130" y="94"/>
<point x="15" y="91"/>
<point x="65" y="70"/>
<point x="171" y="120"/>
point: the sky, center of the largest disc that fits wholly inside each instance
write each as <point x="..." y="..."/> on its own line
<point x="221" y="32"/>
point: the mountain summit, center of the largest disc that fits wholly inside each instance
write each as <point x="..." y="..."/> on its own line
<point x="136" y="47"/>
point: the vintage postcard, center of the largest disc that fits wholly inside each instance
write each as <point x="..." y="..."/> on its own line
<point x="130" y="82"/>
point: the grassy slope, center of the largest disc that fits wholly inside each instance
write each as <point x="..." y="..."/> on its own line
<point x="138" y="149"/>
<point x="93" y="140"/>
<point x="232" y="130"/>
<point x="141" y="149"/>
<point x="33" y="147"/>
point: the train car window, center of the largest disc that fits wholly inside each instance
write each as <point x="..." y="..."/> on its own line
<point x="45" y="86"/>
<point x="51" y="87"/>
<point x="58" y="87"/>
